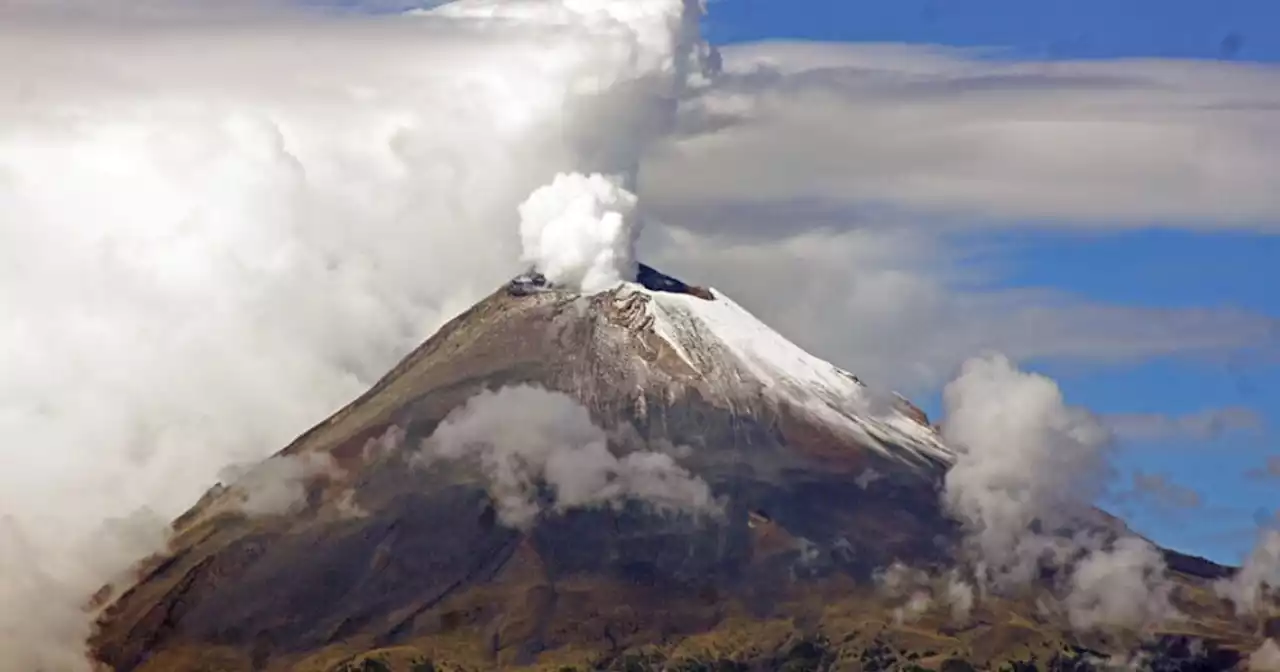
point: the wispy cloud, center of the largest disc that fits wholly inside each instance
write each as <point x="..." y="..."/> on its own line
<point x="1163" y="493"/>
<point x="811" y="127"/>
<point x="904" y="307"/>
<point x="1270" y="469"/>
<point x="217" y="230"/>
<point x="1206" y="424"/>
<point x="861" y="177"/>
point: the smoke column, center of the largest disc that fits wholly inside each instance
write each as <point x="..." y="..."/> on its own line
<point x="217" y="229"/>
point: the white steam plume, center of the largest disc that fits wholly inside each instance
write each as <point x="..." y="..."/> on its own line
<point x="960" y="595"/>
<point x="1258" y="580"/>
<point x="580" y="231"/>
<point x="524" y="437"/>
<point x="1024" y="457"/>
<point x="212" y="233"/>
<point x="278" y="485"/>
<point x="1027" y="466"/>
<point x="923" y="592"/>
<point x="1123" y="587"/>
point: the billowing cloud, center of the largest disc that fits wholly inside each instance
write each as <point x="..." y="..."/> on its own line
<point x="230" y="220"/>
<point x="1025" y="460"/>
<point x="580" y="231"/>
<point x="1125" y="586"/>
<point x="216" y="230"/>
<point x="44" y="596"/>
<point x="1028" y="468"/>
<point x="526" y="438"/>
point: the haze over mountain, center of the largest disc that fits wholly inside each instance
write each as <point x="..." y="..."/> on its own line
<point x="260" y="230"/>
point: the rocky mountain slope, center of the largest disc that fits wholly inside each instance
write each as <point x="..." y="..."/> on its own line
<point x="730" y="502"/>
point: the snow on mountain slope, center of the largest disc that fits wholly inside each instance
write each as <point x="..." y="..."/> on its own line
<point x="732" y="349"/>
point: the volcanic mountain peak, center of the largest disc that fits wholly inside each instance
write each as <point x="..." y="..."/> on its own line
<point x="394" y="550"/>
<point x="731" y="347"/>
<point x="735" y="356"/>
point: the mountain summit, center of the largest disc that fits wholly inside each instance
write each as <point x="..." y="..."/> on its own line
<point x="644" y="478"/>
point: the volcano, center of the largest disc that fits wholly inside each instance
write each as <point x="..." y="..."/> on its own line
<point x="689" y="491"/>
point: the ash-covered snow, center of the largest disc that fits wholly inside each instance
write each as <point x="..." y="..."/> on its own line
<point x="732" y="349"/>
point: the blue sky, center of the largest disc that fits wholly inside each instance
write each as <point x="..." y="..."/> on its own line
<point x="1132" y="266"/>
<point x="1041" y="29"/>
<point x="1177" y="269"/>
